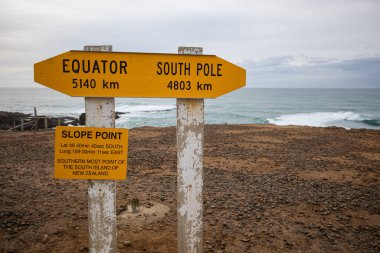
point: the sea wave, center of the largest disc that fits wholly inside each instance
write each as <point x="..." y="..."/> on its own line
<point x="144" y="114"/>
<point x="144" y="108"/>
<point x="372" y="122"/>
<point x="325" y="119"/>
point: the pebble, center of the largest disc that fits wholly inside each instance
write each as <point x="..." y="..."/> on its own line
<point x="45" y="238"/>
<point x="245" y="239"/>
<point x="288" y="244"/>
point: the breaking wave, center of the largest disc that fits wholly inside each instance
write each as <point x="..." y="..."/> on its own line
<point x="325" y="119"/>
<point x="144" y="114"/>
<point x="144" y="108"/>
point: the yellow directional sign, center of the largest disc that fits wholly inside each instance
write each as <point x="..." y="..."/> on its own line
<point x="114" y="74"/>
<point x="90" y="153"/>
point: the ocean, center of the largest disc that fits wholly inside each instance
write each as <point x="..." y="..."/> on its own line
<point x="348" y="108"/>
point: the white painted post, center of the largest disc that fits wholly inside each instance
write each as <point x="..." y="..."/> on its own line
<point x="190" y="138"/>
<point x="35" y="126"/>
<point x="100" y="112"/>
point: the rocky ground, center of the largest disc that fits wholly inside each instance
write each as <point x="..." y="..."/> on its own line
<point x="266" y="189"/>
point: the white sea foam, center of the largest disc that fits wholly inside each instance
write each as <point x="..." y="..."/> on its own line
<point x="144" y="108"/>
<point x="318" y="119"/>
<point x="313" y="107"/>
<point x="145" y="115"/>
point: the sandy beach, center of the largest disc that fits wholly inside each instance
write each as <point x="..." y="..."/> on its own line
<point x="266" y="189"/>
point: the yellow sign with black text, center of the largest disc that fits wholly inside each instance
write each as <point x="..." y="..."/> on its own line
<point x="90" y="153"/>
<point x="120" y="74"/>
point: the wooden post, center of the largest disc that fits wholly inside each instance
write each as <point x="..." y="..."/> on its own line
<point x="35" y="126"/>
<point x="190" y="138"/>
<point x="22" y="124"/>
<point x="46" y="123"/>
<point x="100" y="112"/>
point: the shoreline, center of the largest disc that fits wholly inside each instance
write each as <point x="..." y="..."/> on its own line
<point x="11" y="119"/>
<point x="302" y="107"/>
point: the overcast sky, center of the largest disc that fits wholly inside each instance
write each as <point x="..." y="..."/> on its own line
<point x="292" y="43"/>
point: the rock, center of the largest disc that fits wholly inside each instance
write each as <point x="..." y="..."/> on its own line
<point x="8" y="119"/>
<point x="11" y="119"/>
<point x="245" y="239"/>
<point x="134" y="205"/>
<point x="45" y="238"/>
<point x="288" y="244"/>
<point x="82" y="119"/>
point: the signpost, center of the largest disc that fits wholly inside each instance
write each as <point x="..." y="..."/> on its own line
<point x="102" y="224"/>
<point x="112" y="74"/>
<point x="190" y="138"/>
<point x="101" y="75"/>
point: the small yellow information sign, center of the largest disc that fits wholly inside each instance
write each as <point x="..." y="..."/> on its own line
<point x="90" y="153"/>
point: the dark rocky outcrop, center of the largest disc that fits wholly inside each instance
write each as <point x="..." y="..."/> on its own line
<point x="82" y="117"/>
<point x="9" y="120"/>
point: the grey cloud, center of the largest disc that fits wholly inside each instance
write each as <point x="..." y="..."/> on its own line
<point x="302" y="71"/>
<point x="31" y="31"/>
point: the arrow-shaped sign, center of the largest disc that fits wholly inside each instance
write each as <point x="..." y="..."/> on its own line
<point x="114" y="74"/>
